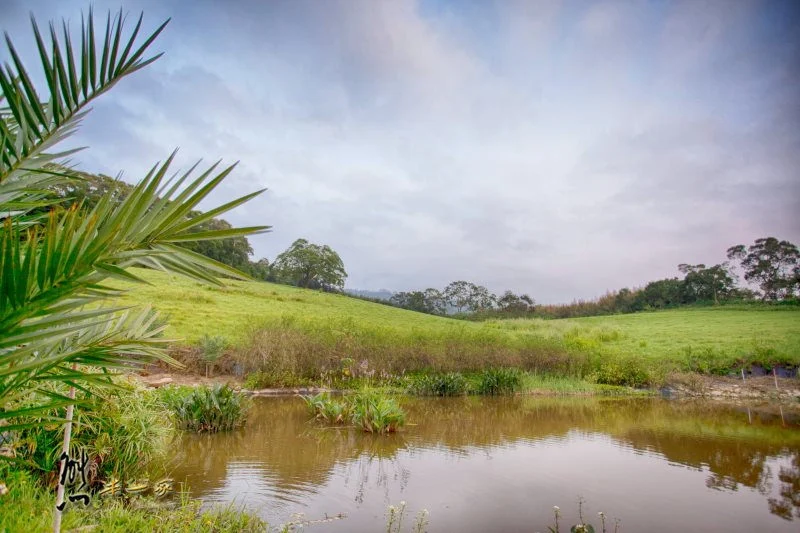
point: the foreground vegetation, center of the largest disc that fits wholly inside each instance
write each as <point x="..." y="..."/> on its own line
<point x="291" y="336"/>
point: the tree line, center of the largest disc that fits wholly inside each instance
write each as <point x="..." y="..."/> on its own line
<point x="770" y="268"/>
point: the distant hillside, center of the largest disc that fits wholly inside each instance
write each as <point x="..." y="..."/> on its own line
<point x="380" y="294"/>
<point x="271" y="321"/>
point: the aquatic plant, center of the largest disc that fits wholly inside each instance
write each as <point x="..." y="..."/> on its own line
<point x="450" y="384"/>
<point x="496" y="381"/>
<point x="375" y="413"/>
<point x="212" y="409"/>
<point x="323" y="407"/>
<point x="369" y="410"/>
<point x="395" y="516"/>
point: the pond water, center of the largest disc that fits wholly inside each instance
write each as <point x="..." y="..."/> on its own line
<point x="501" y="464"/>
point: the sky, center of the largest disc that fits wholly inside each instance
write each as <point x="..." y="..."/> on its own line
<point x="557" y="148"/>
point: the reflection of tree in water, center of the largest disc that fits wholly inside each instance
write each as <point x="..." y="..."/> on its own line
<point x="294" y="453"/>
<point x="789" y="491"/>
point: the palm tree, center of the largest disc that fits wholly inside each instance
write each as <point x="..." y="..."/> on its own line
<point x="58" y="321"/>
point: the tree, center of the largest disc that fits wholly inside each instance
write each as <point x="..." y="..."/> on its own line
<point x="310" y="265"/>
<point x="457" y="294"/>
<point x="233" y="251"/>
<point x="703" y="283"/>
<point x="663" y="293"/>
<point x="435" y="301"/>
<point x="511" y="303"/>
<point x="56" y="329"/>
<point x="772" y="264"/>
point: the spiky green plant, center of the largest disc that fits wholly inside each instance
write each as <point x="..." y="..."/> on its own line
<point x="325" y="408"/>
<point x="212" y="409"/>
<point x="57" y="318"/>
<point x="375" y="413"/>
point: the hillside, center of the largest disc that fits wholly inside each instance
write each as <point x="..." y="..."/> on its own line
<point x="267" y="321"/>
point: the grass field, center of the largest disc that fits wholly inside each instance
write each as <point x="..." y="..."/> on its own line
<point x="297" y="331"/>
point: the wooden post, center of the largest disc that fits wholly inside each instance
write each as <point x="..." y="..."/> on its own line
<point x="775" y="377"/>
<point x="742" y="373"/>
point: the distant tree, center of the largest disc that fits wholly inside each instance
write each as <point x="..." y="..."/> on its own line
<point x="480" y="299"/>
<point x="260" y="270"/>
<point x="435" y="301"/>
<point x="703" y="283"/>
<point x="235" y="251"/>
<point x="310" y="265"/>
<point x="512" y="303"/>
<point x="457" y="295"/>
<point x="663" y="293"/>
<point x="772" y="264"/>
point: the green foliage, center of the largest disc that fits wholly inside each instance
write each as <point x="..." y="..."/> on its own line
<point x="310" y="265"/>
<point x="369" y="410"/>
<point x="773" y="264"/>
<point x="54" y="324"/>
<point x="211" y="349"/>
<point x="496" y="381"/>
<point x="375" y="413"/>
<point x="629" y="372"/>
<point x="209" y="409"/>
<point x="29" y="507"/>
<point x="450" y="384"/>
<point x="333" y="411"/>
<point x="125" y="434"/>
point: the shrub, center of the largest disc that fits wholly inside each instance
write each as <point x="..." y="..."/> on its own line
<point x="212" y="409"/>
<point x="124" y="435"/>
<point x="629" y="372"/>
<point x="495" y="381"/>
<point x="211" y="349"/>
<point x="450" y="384"/>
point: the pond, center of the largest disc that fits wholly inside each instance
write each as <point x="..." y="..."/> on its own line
<point x="501" y="464"/>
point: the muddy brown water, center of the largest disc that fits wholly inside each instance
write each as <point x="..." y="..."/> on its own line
<point x="501" y="464"/>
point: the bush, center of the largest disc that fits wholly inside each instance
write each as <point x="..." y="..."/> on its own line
<point x="629" y="372"/>
<point x="124" y="434"/>
<point x="212" y="409"/>
<point x="211" y="349"/>
<point x="495" y="381"/>
<point x="450" y="384"/>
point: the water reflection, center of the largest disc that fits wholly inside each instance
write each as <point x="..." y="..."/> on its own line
<point x="508" y="460"/>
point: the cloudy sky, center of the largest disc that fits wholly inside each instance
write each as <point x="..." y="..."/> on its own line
<point x="561" y="148"/>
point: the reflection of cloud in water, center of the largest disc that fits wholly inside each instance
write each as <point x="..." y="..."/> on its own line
<point x="505" y="462"/>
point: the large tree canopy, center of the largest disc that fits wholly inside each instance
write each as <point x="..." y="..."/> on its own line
<point x="772" y="264"/>
<point x="310" y="265"/>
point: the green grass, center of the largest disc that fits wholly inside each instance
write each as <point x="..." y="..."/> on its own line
<point x="286" y="331"/>
<point x="705" y="339"/>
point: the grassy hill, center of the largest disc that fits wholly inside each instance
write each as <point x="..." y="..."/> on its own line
<point x="296" y="331"/>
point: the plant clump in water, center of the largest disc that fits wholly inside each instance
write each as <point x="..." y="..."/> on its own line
<point x="367" y="410"/>
<point x="211" y="409"/>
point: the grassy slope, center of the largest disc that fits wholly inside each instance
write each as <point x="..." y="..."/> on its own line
<point x="702" y="339"/>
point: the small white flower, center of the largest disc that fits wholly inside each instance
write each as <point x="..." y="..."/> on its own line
<point x="601" y="514"/>
<point x="556" y="507"/>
